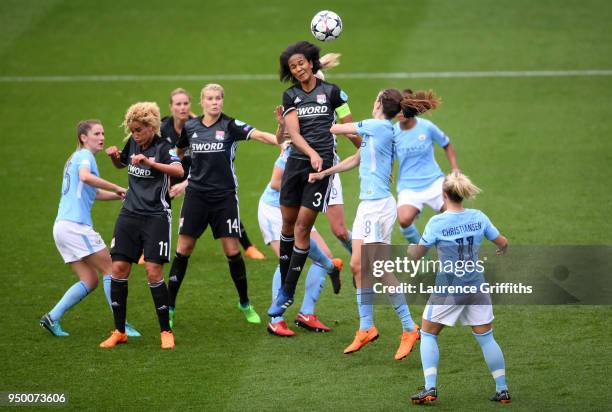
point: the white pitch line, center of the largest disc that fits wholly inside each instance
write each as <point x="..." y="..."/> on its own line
<point x="248" y="77"/>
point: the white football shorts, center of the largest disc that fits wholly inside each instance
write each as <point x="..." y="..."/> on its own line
<point x="74" y="241"/>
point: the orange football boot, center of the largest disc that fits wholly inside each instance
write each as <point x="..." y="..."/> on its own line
<point x="407" y="341"/>
<point x="115" y="339"/>
<point x="167" y="340"/>
<point x="362" y="338"/>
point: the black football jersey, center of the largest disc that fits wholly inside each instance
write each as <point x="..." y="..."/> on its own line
<point x="147" y="187"/>
<point x="213" y="150"/>
<point x="316" y="114"/>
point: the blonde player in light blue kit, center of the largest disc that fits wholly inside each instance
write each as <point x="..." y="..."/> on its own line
<point x="419" y="177"/>
<point x="76" y="240"/>
<point x="376" y="213"/>
<point x="458" y="234"/>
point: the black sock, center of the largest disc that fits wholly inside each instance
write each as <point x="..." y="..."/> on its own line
<point x="238" y="272"/>
<point x="176" y="276"/>
<point x="298" y="260"/>
<point x="159" y="291"/>
<point x="244" y="238"/>
<point x="285" y="250"/>
<point x="119" y="294"/>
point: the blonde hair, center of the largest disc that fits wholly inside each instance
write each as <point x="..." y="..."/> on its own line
<point x="146" y="113"/>
<point x="84" y="127"/>
<point x="179" y="90"/>
<point x="328" y="61"/>
<point x="212" y="86"/>
<point x="458" y="187"/>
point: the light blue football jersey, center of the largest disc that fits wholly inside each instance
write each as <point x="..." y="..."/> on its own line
<point x="458" y="237"/>
<point x="376" y="158"/>
<point x="271" y="196"/>
<point x="77" y="197"/>
<point x="414" y="150"/>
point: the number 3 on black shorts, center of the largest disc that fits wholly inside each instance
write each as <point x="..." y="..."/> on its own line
<point x="318" y="197"/>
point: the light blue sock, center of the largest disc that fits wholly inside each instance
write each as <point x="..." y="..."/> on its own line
<point x="366" y="309"/>
<point x="316" y="254"/>
<point x="276" y="285"/>
<point x="398" y="300"/>
<point x="348" y="244"/>
<point x="107" y="286"/>
<point x="72" y="296"/>
<point x="494" y="358"/>
<point x="430" y="356"/>
<point x="411" y="234"/>
<point x="315" y="279"/>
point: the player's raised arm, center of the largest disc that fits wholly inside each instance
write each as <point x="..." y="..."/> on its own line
<point x="115" y="155"/>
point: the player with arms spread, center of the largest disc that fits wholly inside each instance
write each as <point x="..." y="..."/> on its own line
<point x="309" y="106"/>
<point x="444" y="309"/>
<point x="211" y="195"/>
<point x="376" y="213"/>
<point x="144" y="223"/>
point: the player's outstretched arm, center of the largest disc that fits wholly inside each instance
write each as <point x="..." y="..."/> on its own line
<point x="449" y="150"/>
<point x="502" y="245"/>
<point x="344" y="128"/>
<point x="89" y="178"/>
<point x="265" y="137"/>
<point x="106" y="195"/>
<point x="353" y="137"/>
<point x="349" y="163"/>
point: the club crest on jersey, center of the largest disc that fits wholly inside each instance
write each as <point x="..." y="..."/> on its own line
<point x="321" y="99"/>
<point x="219" y="135"/>
<point x="422" y="137"/>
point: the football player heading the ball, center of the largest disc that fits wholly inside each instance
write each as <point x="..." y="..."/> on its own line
<point x="309" y="106"/>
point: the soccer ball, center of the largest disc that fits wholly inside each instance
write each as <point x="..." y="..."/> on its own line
<point x="326" y="26"/>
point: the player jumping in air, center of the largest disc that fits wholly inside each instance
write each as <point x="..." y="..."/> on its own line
<point x="376" y="213"/>
<point x="419" y="179"/>
<point x="309" y="107"/>
<point x="458" y="234"/>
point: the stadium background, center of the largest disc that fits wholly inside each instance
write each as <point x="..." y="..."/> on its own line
<point x="538" y="146"/>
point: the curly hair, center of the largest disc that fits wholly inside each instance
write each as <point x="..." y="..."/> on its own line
<point x="419" y="102"/>
<point x="310" y="52"/>
<point x="146" y="113"/>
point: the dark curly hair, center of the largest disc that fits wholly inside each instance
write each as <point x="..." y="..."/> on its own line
<point x="309" y="50"/>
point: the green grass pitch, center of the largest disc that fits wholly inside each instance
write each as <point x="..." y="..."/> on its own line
<point x="540" y="148"/>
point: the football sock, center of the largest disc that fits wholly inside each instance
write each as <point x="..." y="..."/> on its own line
<point x="317" y="255"/>
<point x="430" y="356"/>
<point x="73" y="295"/>
<point x="106" y="281"/>
<point x="348" y="243"/>
<point x="366" y="308"/>
<point x="239" y="276"/>
<point x="411" y="234"/>
<point x="276" y="285"/>
<point x="159" y="291"/>
<point x="298" y="260"/>
<point x="494" y="358"/>
<point x="119" y="294"/>
<point x="244" y="238"/>
<point x="398" y="300"/>
<point x="285" y="252"/>
<point x="315" y="279"/>
<point x="176" y="276"/>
